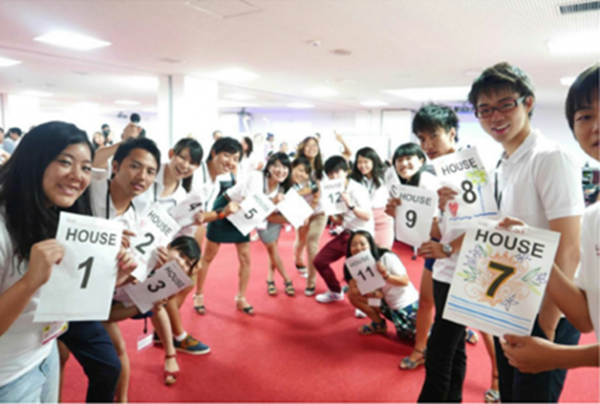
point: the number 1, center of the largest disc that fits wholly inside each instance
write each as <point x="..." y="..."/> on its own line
<point x="87" y="264"/>
<point x="505" y="273"/>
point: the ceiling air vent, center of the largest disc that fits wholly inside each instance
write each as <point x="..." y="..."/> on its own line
<point x="580" y="7"/>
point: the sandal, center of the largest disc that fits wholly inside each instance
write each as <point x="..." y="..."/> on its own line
<point x="491" y="396"/>
<point x="200" y="309"/>
<point x="271" y="289"/>
<point x="408" y="364"/>
<point x="373" y="328"/>
<point x="170" y="377"/>
<point x="310" y="290"/>
<point x="246" y="308"/>
<point x="471" y="336"/>
<point x="289" y="289"/>
<point x="302" y="270"/>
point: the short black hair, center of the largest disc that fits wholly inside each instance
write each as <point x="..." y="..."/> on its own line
<point x="430" y="117"/>
<point x="226" y="145"/>
<point x="335" y="164"/>
<point x="500" y="77"/>
<point x="135" y="118"/>
<point x="302" y="161"/>
<point x="581" y="92"/>
<point x="105" y="126"/>
<point x="189" y="247"/>
<point x="16" y="131"/>
<point x="131" y="144"/>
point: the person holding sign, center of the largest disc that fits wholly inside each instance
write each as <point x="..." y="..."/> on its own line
<point x="368" y="170"/>
<point x="358" y="216"/>
<point x="217" y="176"/>
<point x="539" y="183"/>
<point x="579" y="300"/>
<point x="309" y="234"/>
<point x="54" y="162"/>
<point x="123" y="309"/>
<point x="310" y="237"/>
<point x="276" y="179"/>
<point x="399" y="298"/>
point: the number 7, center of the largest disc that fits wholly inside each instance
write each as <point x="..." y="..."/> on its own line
<point x="505" y="273"/>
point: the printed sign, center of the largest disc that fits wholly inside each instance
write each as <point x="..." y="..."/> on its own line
<point x="162" y="284"/>
<point x="465" y="172"/>
<point x="295" y="208"/>
<point x="185" y="211"/>
<point x="392" y="182"/>
<point x="363" y="269"/>
<point x="81" y="286"/>
<point x="415" y="215"/>
<point x="331" y="197"/>
<point x="254" y="210"/>
<point x="500" y="278"/>
<point x="155" y="229"/>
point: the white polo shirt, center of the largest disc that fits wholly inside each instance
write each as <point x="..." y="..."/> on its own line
<point x="254" y="182"/>
<point x="153" y="194"/>
<point x="360" y="198"/>
<point x="397" y="297"/>
<point x="588" y="277"/>
<point x="379" y="195"/>
<point x="102" y="204"/>
<point x="539" y="182"/>
<point x="21" y="346"/>
<point x="209" y="189"/>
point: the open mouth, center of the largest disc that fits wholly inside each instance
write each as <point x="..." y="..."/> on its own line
<point x="500" y="130"/>
<point x="69" y="190"/>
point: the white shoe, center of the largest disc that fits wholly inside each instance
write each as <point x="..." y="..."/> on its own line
<point x="329" y="297"/>
<point x="359" y="313"/>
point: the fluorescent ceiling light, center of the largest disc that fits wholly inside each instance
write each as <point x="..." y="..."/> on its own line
<point x="300" y="105"/>
<point x="35" y="93"/>
<point x="71" y="40"/>
<point x="322" y="92"/>
<point x="374" y="103"/>
<point x="235" y="104"/>
<point x="144" y="83"/>
<point x="5" y="62"/>
<point x="235" y="75"/>
<point x="432" y="93"/>
<point x="239" y="96"/>
<point x="584" y="43"/>
<point x="127" y="102"/>
<point x="567" y="81"/>
<point x="87" y="105"/>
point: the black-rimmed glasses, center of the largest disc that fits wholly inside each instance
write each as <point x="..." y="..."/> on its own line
<point x="506" y="106"/>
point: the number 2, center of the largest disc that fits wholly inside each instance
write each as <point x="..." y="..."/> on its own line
<point x="140" y="247"/>
<point x="87" y="264"/>
<point x="505" y="273"/>
<point x="411" y="217"/>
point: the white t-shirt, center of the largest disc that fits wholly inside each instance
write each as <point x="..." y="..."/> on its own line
<point x="100" y="196"/>
<point x="21" y="346"/>
<point x="360" y="198"/>
<point x="397" y="297"/>
<point x="209" y="189"/>
<point x="379" y="196"/>
<point x="144" y="201"/>
<point x="588" y="277"/>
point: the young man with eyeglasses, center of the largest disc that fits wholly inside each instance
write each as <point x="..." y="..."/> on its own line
<point x="539" y="183"/>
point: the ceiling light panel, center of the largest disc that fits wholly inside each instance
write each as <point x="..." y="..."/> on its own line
<point x="322" y="92"/>
<point x="300" y="105"/>
<point x="35" y="93"/>
<point x="432" y="93"/>
<point x="127" y="102"/>
<point x="577" y="44"/>
<point x="71" y="40"/>
<point x="6" y="62"/>
<point x="374" y="103"/>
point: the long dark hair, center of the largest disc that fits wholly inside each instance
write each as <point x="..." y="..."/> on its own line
<point x="378" y="168"/>
<point x="318" y="161"/>
<point x="250" y="145"/>
<point x="28" y="218"/>
<point x="196" y="154"/>
<point x="376" y="252"/>
<point x="409" y="150"/>
<point x="189" y="247"/>
<point x="283" y="159"/>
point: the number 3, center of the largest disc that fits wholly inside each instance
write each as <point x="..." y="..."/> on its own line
<point x="156" y="288"/>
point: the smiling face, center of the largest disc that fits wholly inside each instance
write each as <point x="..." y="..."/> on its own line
<point x="407" y="166"/>
<point x="299" y="174"/>
<point x="225" y="162"/>
<point x="278" y="171"/>
<point x="358" y="244"/>
<point x="136" y="172"/>
<point x="311" y="149"/>
<point x="68" y="176"/>
<point x="585" y="127"/>
<point x="365" y="166"/>
<point x="183" y="260"/>
<point x="181" y="165"/>
<point x="511" y="126"/>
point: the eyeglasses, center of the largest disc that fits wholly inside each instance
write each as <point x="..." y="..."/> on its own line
<point x="506" y="106"/>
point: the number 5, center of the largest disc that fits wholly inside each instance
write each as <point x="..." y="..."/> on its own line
<point x="505" y="273"/>
<point x="250" y="213"/>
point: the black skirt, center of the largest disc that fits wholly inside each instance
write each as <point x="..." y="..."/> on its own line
<point x="223" y="231"/>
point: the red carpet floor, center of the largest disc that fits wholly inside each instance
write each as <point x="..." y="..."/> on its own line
<point x="292" y="350"/>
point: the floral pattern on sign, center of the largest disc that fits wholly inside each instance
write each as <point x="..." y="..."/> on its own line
<point x="500" y="279"/>
<point x="479" y="178"/>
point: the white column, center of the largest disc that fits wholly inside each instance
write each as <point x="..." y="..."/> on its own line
<point x="21" y="111"/>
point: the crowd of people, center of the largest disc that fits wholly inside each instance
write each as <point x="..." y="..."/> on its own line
<point x="56" y="168"/>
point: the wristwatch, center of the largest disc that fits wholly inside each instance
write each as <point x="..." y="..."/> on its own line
<point x="351" y="207"/>
<point x="447" y="248"/>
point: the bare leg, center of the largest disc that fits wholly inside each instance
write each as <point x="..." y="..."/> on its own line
<point x="162" y="326"/>
<point x="424" y="316"/>
<point x="489" y="347"/>
<point x="300" y="245"/>
<point x="275" y="258"/>
<point x="362" y="303"/>
<point x="63" y="353"/>
<point x="117" y="339"/>
<point x="209" y="255"/>
<point x="243" y="250"/>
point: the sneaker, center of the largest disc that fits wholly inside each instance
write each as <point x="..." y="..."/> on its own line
<point x="359" y="313"/>
<point x="191" y="345"/>
<point x="329" y="297"/>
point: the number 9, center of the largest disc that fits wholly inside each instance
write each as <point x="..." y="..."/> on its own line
<point x="411" y="217"/>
